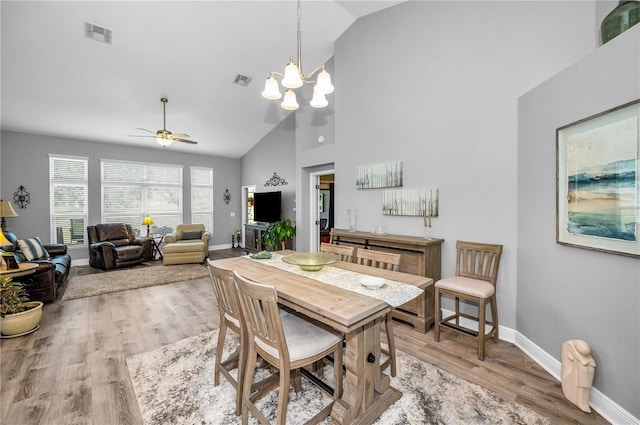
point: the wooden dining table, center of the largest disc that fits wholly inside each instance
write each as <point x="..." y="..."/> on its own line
<point x="367" y="391"/>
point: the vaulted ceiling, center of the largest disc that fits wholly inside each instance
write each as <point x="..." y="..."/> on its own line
<point x="56" y="81"/>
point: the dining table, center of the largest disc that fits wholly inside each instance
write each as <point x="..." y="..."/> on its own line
<point x="357" y="312"/>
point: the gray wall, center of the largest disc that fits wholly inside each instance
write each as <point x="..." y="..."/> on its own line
<point x="274" y="154"/>
<point x="564" y="292"/>
<point x="436" y="85"/>
<point x="25" y="161"/>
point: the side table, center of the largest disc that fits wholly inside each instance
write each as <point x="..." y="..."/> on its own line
<point x="22" y="270"/>
<point x="157" y="240"/>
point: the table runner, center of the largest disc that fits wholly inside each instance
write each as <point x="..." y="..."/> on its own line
<point x="393" y="293"/>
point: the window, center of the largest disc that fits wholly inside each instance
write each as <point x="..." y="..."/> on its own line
<point x="202" y="196"/>
<point x="131" y="190"/>
<point x="68" y="199"/>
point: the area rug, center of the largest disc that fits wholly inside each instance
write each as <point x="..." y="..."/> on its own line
<point x="123" y="280"/>
<point x="174" y="385"/>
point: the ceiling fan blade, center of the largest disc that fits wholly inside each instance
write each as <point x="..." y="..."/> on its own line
<point x="177" y="139"/>
<point x="139" y="135"/>
<point x="181" y="135"/>
<point x="144" y="129"/>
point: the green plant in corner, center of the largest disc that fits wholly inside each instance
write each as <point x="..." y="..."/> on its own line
<point x="279" y="233"/>
<point x="13" y="297"/>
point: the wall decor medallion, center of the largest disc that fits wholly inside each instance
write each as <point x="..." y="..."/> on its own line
<point x="376" y="176"/>
<point x="598" y="193"/>
<point x="276" y="180"/>
<point x="21" y="197"/>
<point x="226" y="196"/>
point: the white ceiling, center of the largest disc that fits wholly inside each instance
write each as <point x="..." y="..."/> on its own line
<point x="55" y="81"/>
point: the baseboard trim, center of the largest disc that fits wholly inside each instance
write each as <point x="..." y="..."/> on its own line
<point x="606" y="407"/>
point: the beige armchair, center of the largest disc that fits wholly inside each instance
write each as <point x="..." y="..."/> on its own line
<point x="189" y="244"/>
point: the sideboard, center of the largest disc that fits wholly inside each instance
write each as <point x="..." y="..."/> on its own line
<point x="420" y="256"/>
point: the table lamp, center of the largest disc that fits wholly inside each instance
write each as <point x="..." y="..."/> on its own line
<point x="147" y="221"/>
<point x="6" y="210"/>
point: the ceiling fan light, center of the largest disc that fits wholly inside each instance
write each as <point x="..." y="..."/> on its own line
<point x="318" y="100"/>
<point x="292" y="79"/>
<point x="289" y="103"/>
<point x="323" y="84"/>
<point x="271" y="89"/>
<point x="164" y="141"/>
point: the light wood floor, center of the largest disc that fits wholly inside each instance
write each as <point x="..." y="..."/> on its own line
<point x="73" y="371"/>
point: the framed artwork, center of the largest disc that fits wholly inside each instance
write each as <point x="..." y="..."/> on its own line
<point x="10" y="261"/>
<point x="321" y="202"/>
<point x="597" y="187"/>
<point x="374" y="176"/>
<point x="423" y="202"/>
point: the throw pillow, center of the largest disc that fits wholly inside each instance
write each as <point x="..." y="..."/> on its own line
<point x="32" y="249"/>
<point x="191" y="235"/>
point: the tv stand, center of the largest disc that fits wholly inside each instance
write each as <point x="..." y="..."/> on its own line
<point x="253" y="236"/>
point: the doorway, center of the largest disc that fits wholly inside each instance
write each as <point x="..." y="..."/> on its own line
<point x="324" y="186"/>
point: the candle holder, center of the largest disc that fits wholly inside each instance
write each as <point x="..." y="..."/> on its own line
<point x="427" y="232"/>
<point x="353" y="215"/>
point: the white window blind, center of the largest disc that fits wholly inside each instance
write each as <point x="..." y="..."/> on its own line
<point x="202" y="196"/>
<point x="68" y="199"/>
<point x="131" y="190"/>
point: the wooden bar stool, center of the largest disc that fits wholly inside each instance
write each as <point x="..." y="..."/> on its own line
<point x="475" y="281"/>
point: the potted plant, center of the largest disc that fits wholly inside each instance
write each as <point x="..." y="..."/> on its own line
<point x="279" y="233"/>
<point x="18" y="315"/>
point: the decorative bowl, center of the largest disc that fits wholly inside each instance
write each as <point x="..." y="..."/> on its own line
<point x="372" y="282"/>
<point x="311" y="261"/>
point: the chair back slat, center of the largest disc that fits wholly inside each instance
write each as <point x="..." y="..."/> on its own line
<point x="478" y="260"/>
<point x="261" y="314"/>
<point x="343" y="251"/>
<point x="379" y="259"/>
<point x="226" y="293"/>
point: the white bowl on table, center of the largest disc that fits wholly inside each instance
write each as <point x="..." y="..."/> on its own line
<point x="372" y="282"/>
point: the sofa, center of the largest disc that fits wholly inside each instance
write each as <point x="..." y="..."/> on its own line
<point x="115" y="245"/>
<point x="53" y="269"/>
<point x="189" y="244"/>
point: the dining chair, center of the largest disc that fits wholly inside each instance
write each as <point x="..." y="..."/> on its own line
<point x="230" y="318"/>
<point x="475" y="281"/>
<point x="387" y="261"/>
<point x="343" y="251"/>
<point x="286" y="342"/>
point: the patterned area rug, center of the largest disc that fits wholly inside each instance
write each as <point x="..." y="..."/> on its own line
<point x="174" y="385"/>
<point x="123" y="280"/>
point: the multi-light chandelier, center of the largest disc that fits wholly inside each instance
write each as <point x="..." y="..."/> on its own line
<point x="294" y="77"/>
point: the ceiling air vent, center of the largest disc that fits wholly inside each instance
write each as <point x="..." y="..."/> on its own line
<point x="97" y="33"/>
<point x="242" y="80"/>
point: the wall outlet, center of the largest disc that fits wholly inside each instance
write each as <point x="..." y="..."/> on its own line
<point x="233" y="214"/>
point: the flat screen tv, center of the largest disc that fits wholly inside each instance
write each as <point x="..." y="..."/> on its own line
<point x="267" y="206"/>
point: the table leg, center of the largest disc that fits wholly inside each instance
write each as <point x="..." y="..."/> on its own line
<point x="367" y="391"/>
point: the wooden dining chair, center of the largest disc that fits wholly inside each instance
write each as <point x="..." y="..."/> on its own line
<point x="475" y="280"/>
<point x="230" y="318"/>
<point x="387" y="261"/>
<point x="285" y="341"/>
<point x="345" y="252"/>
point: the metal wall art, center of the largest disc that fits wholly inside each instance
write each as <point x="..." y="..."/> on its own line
<point x="276" y="180"/>
<point x="226" y="196"/>
<point x="375" y="176"/>
<point x="21" y="198"/>
<point x="411" y="202"/>
<point x="598" y="194"/>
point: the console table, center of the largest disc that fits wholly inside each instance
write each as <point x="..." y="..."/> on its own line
<point x="420" y="256"/>
<point x="253" y="236"/>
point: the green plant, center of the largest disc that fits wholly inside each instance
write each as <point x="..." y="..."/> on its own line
<point x="13" y="297"/>
<point x="279" y="233"/>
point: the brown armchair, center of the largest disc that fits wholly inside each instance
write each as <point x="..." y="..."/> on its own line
<point x="115" y="245"/>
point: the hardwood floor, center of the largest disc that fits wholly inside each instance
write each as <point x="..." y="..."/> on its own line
<point x="73" y="370"/>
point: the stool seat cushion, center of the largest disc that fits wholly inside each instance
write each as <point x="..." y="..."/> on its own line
<point x="473" y="287"/>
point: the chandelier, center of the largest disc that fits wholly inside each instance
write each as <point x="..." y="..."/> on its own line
<point x="294" y="77"/>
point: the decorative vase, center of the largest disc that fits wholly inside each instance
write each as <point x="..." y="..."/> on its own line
<point x="623" y="17"/>
<point x="353" y="215"/>
<point x="22" y="323"/>
<point x="427" y="232"/>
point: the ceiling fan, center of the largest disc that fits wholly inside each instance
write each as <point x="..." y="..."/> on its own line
<point x="164" y="136"/>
